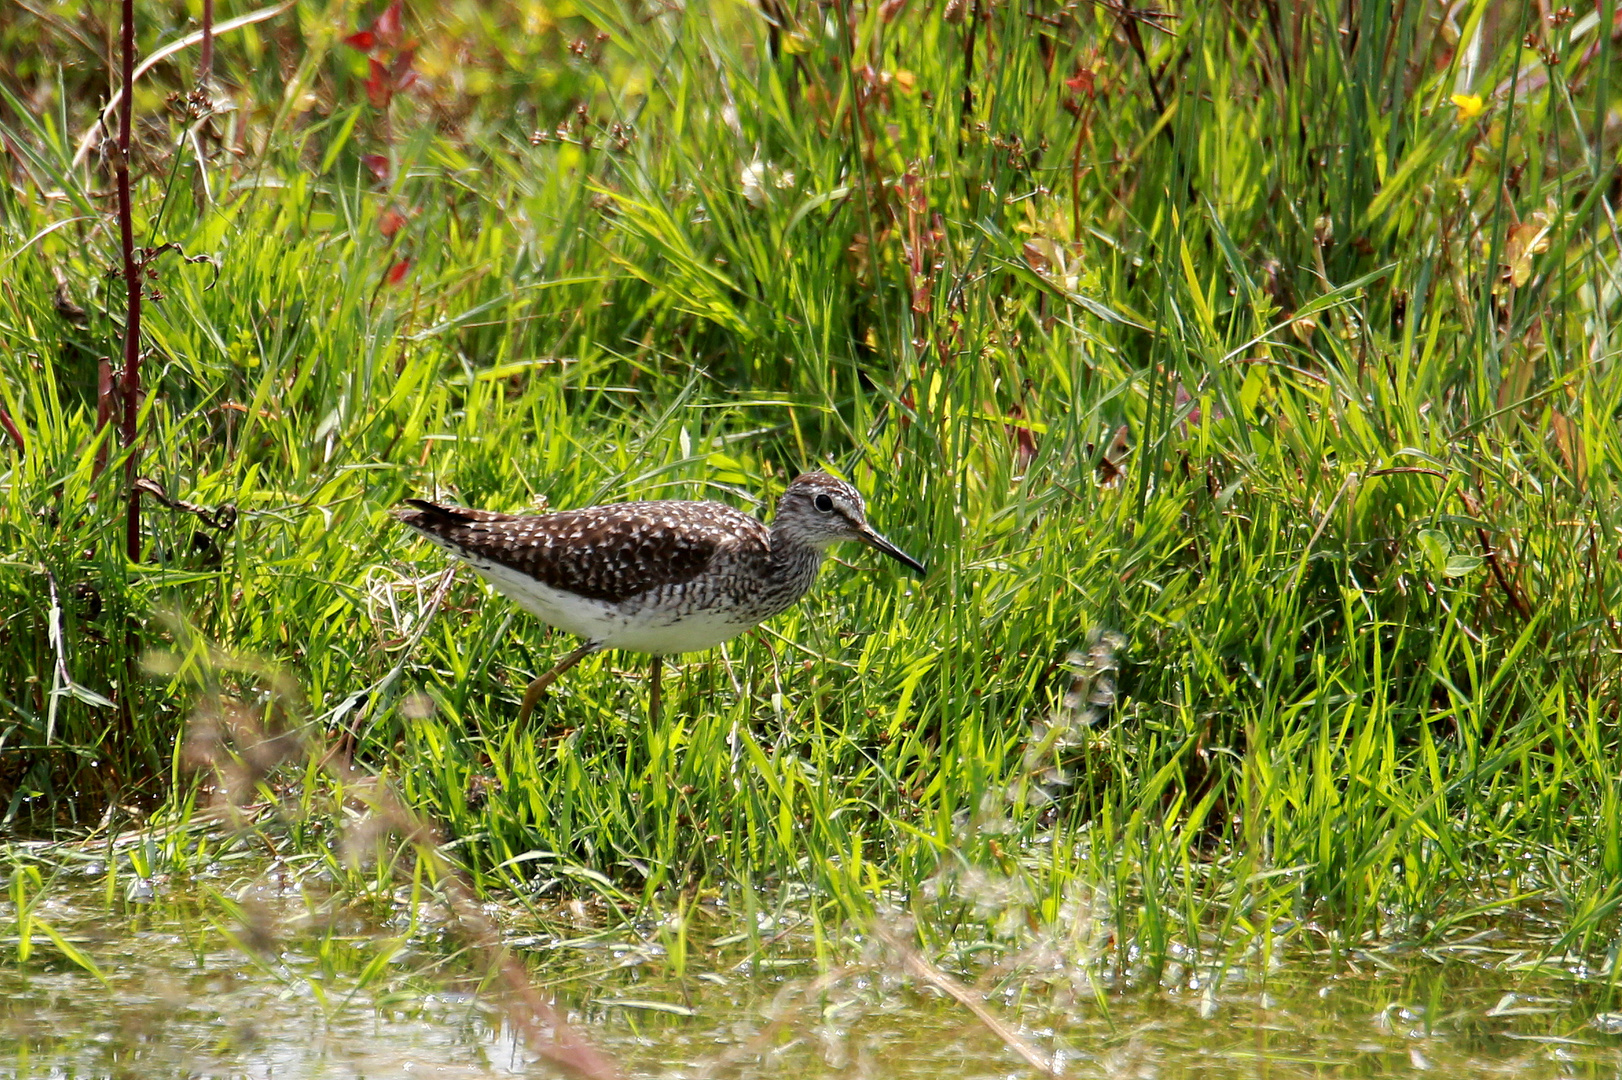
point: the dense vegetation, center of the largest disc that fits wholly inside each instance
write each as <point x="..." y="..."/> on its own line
<point x="1263" y="353"/>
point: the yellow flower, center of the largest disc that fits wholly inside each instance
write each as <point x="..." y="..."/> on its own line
<point x="1470" y="106"/>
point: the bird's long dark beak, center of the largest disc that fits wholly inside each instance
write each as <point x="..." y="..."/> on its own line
<point x="874" y="540"/>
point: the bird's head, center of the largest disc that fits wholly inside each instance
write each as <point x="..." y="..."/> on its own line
<point x="818" y="510"/>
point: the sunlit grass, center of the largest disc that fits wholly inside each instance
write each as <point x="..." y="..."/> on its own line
<point x="1359" y="535"/>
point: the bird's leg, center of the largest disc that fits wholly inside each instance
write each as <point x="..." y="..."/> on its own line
<point x="536" y="688"/>
<point x="653" y="691"/>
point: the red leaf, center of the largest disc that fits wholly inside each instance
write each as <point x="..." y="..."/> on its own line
<point x="397" y="272"/>
<point x="1082" y="80"/>
<point x="1024" y="437"/>
<point x="378" y="164"/>
<point x="379" y="87"/>
<point x="401" y="71"/>
<point x="388" y="24"/>
<point x="1024" y="445"/>
<point x="362" y="40"/>
<point x="391" y="222"/>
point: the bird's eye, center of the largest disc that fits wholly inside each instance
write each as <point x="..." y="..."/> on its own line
<point x="824" y="504"/>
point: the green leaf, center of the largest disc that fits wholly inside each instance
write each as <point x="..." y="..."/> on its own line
<point x="1460" y="565"/>
<point x="70" y="950"/>
<point x="1435" y="548"/>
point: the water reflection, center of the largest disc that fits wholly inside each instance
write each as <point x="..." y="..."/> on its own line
<point x="341" y="991"/>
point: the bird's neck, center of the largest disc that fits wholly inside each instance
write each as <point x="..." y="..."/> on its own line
<point x="794" y="560"/>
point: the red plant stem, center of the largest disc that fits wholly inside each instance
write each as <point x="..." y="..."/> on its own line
<point x="968" y="73"/>
<point x="205" y="60"/>
<point x="132" y="282"/>
<point x="10" y="427"/>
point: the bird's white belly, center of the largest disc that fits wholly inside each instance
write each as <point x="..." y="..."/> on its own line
<point x="649" y="630"/>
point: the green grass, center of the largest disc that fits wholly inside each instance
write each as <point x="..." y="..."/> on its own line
<point x="1362" y="549"/>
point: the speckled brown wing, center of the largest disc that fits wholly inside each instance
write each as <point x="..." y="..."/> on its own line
<point x="609" y="553"/>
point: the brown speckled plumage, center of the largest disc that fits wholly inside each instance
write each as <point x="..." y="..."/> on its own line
<point x="661" y="577"/>
<point x="610" y="553"/>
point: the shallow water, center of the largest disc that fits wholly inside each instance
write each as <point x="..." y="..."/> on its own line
<point x="288" y="986"/>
